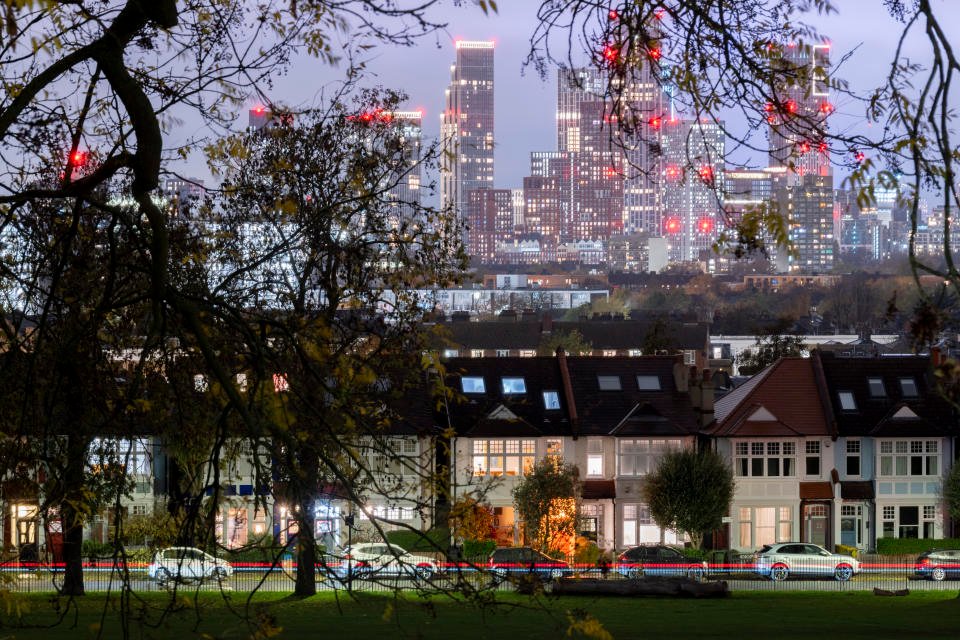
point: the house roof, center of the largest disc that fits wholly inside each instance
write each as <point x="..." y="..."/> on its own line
<point x="600" y="334"/>
<point x="782" y="400"/>
<point x="816" y="491"/>
<point x="892" y="396"/>
<point x="632" y="409"/>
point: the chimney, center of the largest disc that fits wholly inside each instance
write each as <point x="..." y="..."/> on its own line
<point x="546" y="324"/>
<point x="696" y="395"/>
<point x="568" y="392"/>
<point x="680" y="375"/>
<point x="706" y="398"/>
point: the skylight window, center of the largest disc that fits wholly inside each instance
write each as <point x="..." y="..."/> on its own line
<point x="513" y="386"/>
<point x="609" y="383"/>
<point x="551" y="400"/>
<point x="908" y="387"/>
<point x="472" y="384"/>
<point x="847" y="402"/>
<point x="877" y="390"/>
<point x="648" y="383"/>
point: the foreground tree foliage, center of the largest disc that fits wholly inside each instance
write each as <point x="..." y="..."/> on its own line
<point x="548" y="502"/>
<point x="108" y="315"/>
<point x="690" y="491"/>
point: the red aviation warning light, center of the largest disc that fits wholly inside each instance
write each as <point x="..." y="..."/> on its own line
<point x="706" y="174"/>
<point x="655" y="122"/>
<point x="671" y="224"/>
<point x="611" y="53"/>
<point x="672" y="172"/>
<point x="826" y="108"/>
<point x="803" y="147"/>
<point x="259" y="110"/>
<point x="613" y="16"/>
<point x="859" y="156"/>
<point x="654" y="53"/>
<point x="78" y="158"/>
<point x="611" y="172"/>
<point x="790" y="106"/>
<point x="659" y="13"/>
<point x="823" y="147"/>
<point x="705" y="225"/>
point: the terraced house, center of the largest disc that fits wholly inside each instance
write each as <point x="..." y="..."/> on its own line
<point x="613" y="417"/>
<point x="836" y="451"/>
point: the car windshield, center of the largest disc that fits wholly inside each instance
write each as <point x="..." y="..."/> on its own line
<point x="765" y="548"/>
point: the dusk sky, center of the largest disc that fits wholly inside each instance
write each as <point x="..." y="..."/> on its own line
<point x="525" y="103"/>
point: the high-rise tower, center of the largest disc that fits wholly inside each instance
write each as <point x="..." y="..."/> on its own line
<point x="466" y="129"/>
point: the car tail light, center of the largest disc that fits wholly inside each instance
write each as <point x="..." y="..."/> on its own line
<point x="925" y="562"/>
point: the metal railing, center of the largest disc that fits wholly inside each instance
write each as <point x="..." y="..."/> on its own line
<point x="874" y="572"/>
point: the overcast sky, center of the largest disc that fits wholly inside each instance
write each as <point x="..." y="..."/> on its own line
<point x="525" y="103"/>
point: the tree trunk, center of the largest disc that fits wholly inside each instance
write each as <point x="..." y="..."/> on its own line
<point x="72" y="521"/>
<point x="306" y="584"/>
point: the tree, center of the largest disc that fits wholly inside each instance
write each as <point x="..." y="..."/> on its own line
<point x="690" y="491"/>
<point x="725" y="62"/>
<point x="768" y="350"/>
<point x="951" y="494"/>
<point x="471" y="519"/>
<point x="572" y="342"/>
<point x="548" y="503"/>
<point x="92" y="102"/>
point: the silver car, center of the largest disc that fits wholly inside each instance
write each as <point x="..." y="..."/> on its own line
<point x="779" y="561"/>
<point x="371" y="559"/>
<point x="187" y="563"/>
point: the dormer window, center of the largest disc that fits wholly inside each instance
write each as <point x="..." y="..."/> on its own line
<point x="609" y="383"/>
<point x="513" y="386"/>
<point x="648" y="383"/>
<point x="551" y="400"/>
<point x="472" y="384"/>
<point x="875" y="385"/>
<point x="847" y="402"/>
<point x="908" y="388"/>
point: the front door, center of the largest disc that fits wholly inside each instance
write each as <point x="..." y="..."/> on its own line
<point x="851" y="525"/>
<point x="815" y="523"/>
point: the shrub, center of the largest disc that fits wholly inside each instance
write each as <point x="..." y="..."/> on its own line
<point x="96" y="550"/>
<point x="478" y="550"/>
<point x="437" y="539"/>
<point x="587" y="552"/>
<point x="903" y="546"/>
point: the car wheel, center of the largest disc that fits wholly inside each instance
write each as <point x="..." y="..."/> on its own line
<point x="424" y="573"/>
<point x="635" y="574"/>
<point x="556" y="574"/>
<point x="938" y="574"/>
<point x="843" y="572"/>
<point x="220" y="574"/>
<point x="162" y="576"/>
<point x="695" y="574"/>
<point x="779" y="572"/>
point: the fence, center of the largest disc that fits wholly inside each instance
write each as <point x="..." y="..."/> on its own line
<point x="741" y="574"/>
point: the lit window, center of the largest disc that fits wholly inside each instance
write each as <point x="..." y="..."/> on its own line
<point x="503" y="353"/>
<point x="554" y="447"/>
<point x="608" y="383"/>
<point x="450" y="353"/>
<point x="847" y="403"/>
<point x="595" y="457"/>
<point x="472" y="384"/>
<point x="648" y="383"/>
<point x="510" y="386"/>
<point x="551" y="400"/>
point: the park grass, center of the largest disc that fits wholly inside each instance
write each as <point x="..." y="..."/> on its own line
<point x="780" y="616"/>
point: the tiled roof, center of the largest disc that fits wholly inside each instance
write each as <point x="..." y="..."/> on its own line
<point x="876" y="414"/>
<point x="628" y="411"/>
<point x="599" y="489"/>
<point x="816" y="491"/>
<point x="782" y="400"/>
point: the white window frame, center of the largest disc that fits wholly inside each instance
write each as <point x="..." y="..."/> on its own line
<point x="897" y="458"/>
<point x="751" y="456"/>
<point x="637" y="457"/>
<point x="594" y="457"/>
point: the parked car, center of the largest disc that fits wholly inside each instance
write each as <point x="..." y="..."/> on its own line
<point x="371" y="559"/>
<point x="938" y="564"/>
<point x="187" y="563"/>
<point x="778" y="561"/>
<point x="525" y="561"/>
<point x="659" y="560"/>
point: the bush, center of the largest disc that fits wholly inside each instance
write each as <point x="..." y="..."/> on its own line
<point x="478" y="549"/>
<point x="437" y="539"/>
<point x="903" y="546"/>
<point x="587" y="552"/>
<point x="842" y="548"/>
<point x="96" y="550"/>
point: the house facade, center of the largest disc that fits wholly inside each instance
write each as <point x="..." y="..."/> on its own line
<point x="836" y="451"/>
<point x="612" y="417"/>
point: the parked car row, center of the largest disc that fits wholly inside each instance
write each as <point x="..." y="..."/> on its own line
<point x="370" y="560"/>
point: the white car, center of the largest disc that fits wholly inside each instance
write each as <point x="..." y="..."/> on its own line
<point x="370" y="559"/>
<point x="779" y="561"/>
<point x="187" y="563"/>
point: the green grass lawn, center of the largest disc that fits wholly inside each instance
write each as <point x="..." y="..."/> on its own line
<point x="744" y="615"/>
